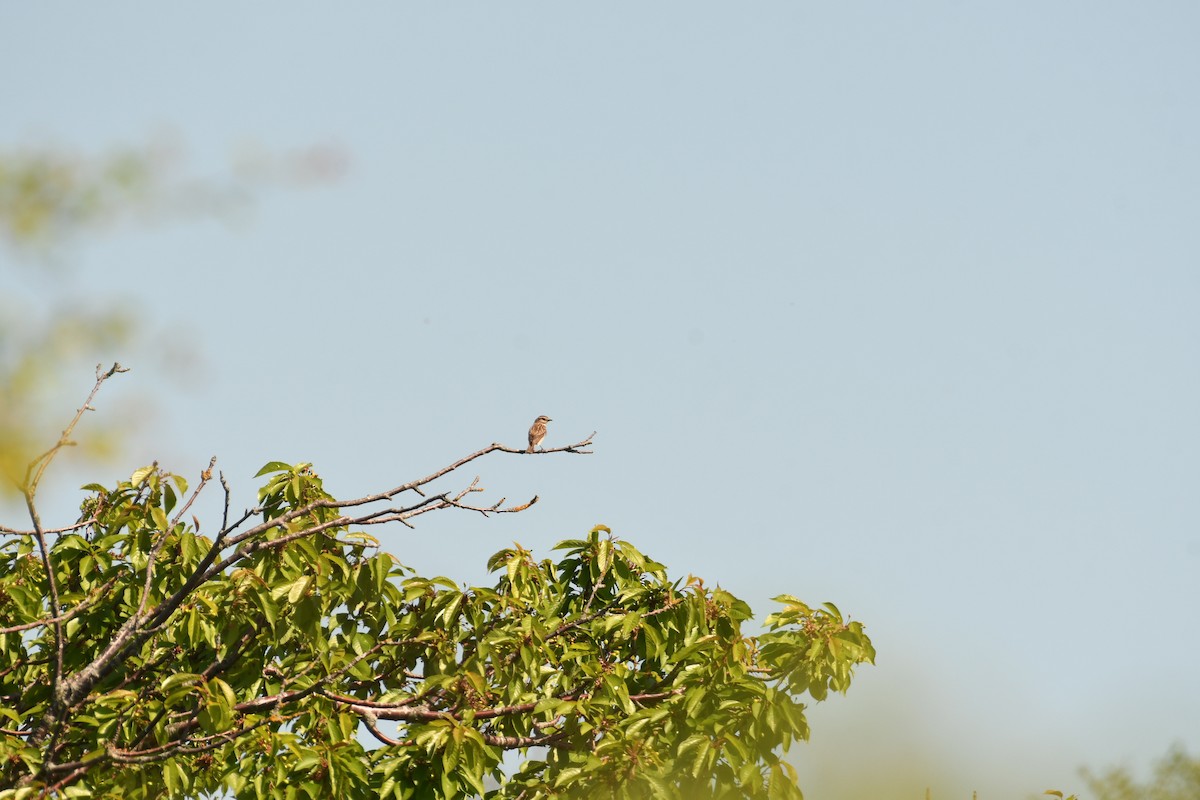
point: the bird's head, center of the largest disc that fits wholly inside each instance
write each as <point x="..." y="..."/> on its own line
<point x="543" y="419"/>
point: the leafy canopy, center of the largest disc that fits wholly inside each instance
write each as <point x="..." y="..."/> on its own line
<point x="285" y="655"/>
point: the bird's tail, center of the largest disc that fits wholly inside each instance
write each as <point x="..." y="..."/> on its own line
<point x="530" y="450"/>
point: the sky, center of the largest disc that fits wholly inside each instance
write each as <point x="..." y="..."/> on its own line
<point x="889" y="305"/>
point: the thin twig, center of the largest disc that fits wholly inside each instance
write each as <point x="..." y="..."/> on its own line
<point x="370" y="721"/>
<point x="205" y="477"/>
<point x="283" y="519"/>
<point x="79" y="772"/>
<point x="49" y="531"/>
<point x="395" y="711"/>
<point x="225" y="514"/>
<point x="64" y="440"/>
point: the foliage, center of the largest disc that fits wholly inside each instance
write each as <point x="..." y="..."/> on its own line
<point x="1176" y="777"/>
<point x="48" y="197"/>
<point x="141" y="657"/>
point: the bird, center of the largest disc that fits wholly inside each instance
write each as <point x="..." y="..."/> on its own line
<point x="537" y="432"/>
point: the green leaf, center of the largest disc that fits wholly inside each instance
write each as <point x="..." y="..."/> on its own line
<point x="140" y="475"/>
<point x="273" y="466"/>
<point x="225" y="690"/>
<point x="604" y="555"/>
<point x="160" y="518"/>
<point x="295" y="590"/>
<point x="567" y="775"/>
<point x="691" y="753"/>
<point x="178" y="679"/>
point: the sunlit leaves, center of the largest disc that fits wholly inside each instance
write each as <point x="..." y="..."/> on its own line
<point x="613" y="680"/>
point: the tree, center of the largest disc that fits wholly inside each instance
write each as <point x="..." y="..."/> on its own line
<point x="49" y="196"/>
<point x="1176" y="777"/>
<point x="141" y="658"/>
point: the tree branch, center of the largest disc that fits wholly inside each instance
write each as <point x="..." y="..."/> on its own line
<point x="33" y="477"/>
<point x="395" y="711"/>
<point x="283" y="519"/>
<point x="205" y="477"/>
<point x="48" y="531"/>
<point x="55" y="607"/>
<point x="369" y="719"/>
<point x="145" y="622"/>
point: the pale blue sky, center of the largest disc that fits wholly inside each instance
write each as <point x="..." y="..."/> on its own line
<point x="888" y="304"/>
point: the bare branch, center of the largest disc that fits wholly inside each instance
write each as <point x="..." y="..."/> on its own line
<point x="205" y="477"/>
<point x="372" y="704"/>
<point x="396" y="711"/>
<point x="40" y="463"/>
<point x="513" y="742"/>
<point x="370" y="720"/>
<point x="283" y="519"/>
<point x="49" y="531"/>
<point x="495" y="446"/>
<point x="225" y="514"/>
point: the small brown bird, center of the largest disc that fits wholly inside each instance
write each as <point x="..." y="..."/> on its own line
<point x="537" y="432"/>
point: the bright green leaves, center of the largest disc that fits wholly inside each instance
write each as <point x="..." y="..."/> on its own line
<point x="192" y="688"/>
<point x="813" y="650"/>
<point x="459" y="755"/>
<point x="292" y="487"/>
<point x="141" y="475"/>
<point x="216" y="709"/>
<point x="268" y="677"/>
<point x="277" y="466"/>
<point x="297" y="589"/>
<point x="652" y="691"/>
<point x="171" y="486"/>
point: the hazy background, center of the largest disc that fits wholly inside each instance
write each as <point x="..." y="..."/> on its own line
<point x="888" y="304"/>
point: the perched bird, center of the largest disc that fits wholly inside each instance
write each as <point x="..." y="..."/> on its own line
<point x="537" y="432"/>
